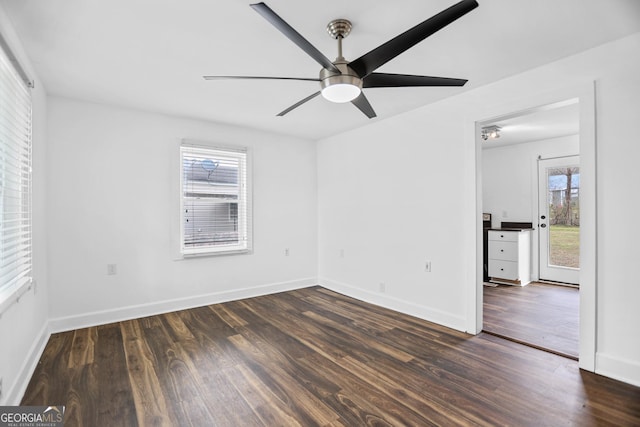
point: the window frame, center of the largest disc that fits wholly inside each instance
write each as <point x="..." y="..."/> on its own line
<point x="16" y="257"/>
<point x="245" y="217"/>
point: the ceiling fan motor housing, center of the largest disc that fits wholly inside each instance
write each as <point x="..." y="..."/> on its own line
<point x="346" y="76"/>
<point x="347" y="80"/>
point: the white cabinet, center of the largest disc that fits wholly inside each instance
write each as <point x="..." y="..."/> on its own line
<point x="510" y="256"/>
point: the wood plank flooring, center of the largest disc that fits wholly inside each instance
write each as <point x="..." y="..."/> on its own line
<point x="542" y="315"/>
<point x="313" y="357"/>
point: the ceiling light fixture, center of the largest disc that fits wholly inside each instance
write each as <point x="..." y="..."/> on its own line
<point x="492" y="132"/>
<point x="341" y="88"/>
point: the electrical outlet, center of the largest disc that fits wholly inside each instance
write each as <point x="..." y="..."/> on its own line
<point x="286" y="252"/>
<point x="427" y="266"/>
<point x="112" y="269"/>
<point x="382" y="287"/>
<point x="341" y="253"/>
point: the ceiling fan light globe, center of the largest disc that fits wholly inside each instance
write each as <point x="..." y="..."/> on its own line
<point x="341" y="92"/>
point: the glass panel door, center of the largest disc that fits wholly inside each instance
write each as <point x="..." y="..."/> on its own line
<point x="559" y="222"/>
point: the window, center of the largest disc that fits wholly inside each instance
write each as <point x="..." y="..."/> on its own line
<point x="15" y="180"/>
<point x="215" y="200"/>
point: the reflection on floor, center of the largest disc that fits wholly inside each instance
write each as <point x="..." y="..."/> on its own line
<point x="541" y="315"/>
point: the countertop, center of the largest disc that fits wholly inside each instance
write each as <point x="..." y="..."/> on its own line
<point x="510" y="229"/>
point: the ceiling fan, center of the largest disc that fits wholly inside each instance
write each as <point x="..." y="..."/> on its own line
<point x="343" y="81"/>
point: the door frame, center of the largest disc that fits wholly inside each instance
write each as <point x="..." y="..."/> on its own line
<point x="562" y="274"/>
<point x="585" y="94"/>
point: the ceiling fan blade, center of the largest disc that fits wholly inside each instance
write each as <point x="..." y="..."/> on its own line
<point x="257" y="78"/>
<point x="371" y="61"/>
<point x="406" y="80"/>
<point x="363" y="105"/>
<point x="297" y="104"/>
<point x="294" y="36"/>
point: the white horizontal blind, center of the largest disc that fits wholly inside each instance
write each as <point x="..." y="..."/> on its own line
<point x="215" y="204"/>
<point x="15" y="182"/>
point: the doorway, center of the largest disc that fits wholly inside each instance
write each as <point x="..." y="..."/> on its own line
<point x="529" y="100"/>
<point x="522" y="175"/>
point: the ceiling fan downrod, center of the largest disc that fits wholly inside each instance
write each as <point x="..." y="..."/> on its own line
<point x="339" y="29"/>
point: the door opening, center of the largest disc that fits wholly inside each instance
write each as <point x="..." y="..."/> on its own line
<point x="535" y="179"/>
<point x="584" y="95"/>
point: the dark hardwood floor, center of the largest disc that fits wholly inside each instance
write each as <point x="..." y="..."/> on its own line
<point x="542" y="315"/>
<point x="313" y="357"/>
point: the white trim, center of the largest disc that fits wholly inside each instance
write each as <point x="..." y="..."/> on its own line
<point x="210" y="145"/>
<point x="16" y="392"/>
<point x="585" y="93"/>
<point x="423" y="312"/>
<point x="4" y="45"/>
<point x="473" y="245"/>
<point x="588" y="228"/>
<point x="618" y="368"/>
<point x="102" y="317"/>
<point x="535" y="215"/>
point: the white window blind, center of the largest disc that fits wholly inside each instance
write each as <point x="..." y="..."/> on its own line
<point x="215" y="200"/>
<point x="15" y="182"/>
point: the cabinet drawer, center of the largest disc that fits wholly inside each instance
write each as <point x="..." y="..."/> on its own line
<point x="507" y="251"/>
<point x="504" y="236"/>
<point x="503" y="269"/>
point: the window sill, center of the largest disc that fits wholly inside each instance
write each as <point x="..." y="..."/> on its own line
<point x="13" y="293"/>
<point x="196" y="255"/>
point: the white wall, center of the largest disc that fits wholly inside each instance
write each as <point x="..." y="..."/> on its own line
<point x="23" y="325"/>
<point x="389" y="196"/>
<point x="509" y="177"/>
<point x="399" y="192"/>
<point x="113" y="194"/>
<point x="510" y="182"/>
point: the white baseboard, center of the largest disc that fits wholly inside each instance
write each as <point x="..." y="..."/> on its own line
<point x="14" y="395"/>
<point x="423" y="312"/>
<point x="85" y="320"/>
<point x="624" y="370"/>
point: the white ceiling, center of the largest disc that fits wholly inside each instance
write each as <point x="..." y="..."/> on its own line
<point x="152" y="54"/>
<point x="542" y="123"/>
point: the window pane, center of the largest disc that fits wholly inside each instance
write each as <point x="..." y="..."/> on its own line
<point x="563" y="186"/>
<point x="208" y="222"/>
<point x="213" y="200"/>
